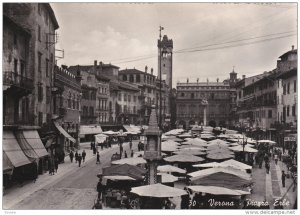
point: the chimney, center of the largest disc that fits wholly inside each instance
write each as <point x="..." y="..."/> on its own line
<point x="151" y="71"/>
<point x="244" y="76"/>
<point x="146" y="69"/>
<point x="95" y="63"/>
<point x="293" y="47"/>
<point x="217" y="80"/>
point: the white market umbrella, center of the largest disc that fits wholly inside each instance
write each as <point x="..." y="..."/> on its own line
<point x="208" y="165"/>
<point x="185" y="135"/>
<point x="170" y="168"/>
<point x="219" y="156"/>
<point x="217" y="142"/>
<point x="167" y="178"/>
<point x="215" y="190"/>
<point x="267" y="141"/>
<point x="240" y="148"/>
<point x="111" y="132"/>
<point x="158" y="190"/>
<point x="130" y="161"/>
<point x="184" y="158"/>
<point x="137" y="154"/>
<point x="169" y="146"/>
<point x="189" y="152"/>
<point x="118" y="178"/>
<point x="229" y="170"/>
<point x="236" y="164"/>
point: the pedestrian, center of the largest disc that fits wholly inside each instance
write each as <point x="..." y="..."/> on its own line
<point x="99" y="189"/>
<point x="76" y="156"/>
<point x="279" y="154"/>
<point x="94" y="150"/>
<point x="52" y="166"/>
<point x="98" y="158"/>
<point x="83" y="155"/>
<point x="267" y="165"/>
<point x="56" y="164"/>
<point x="125" y="154"/>
<point x="276" y="159"/>
<point x="79" y="159"/>
<point x="71" y="155"/>
<point x="130" y="144"/>
<point x="283" y="175"/>
<point x="131" y="153"/>
<point x="91" y="145"/>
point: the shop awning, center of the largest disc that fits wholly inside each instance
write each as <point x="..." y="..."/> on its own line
<point x="34" y="140"/>
<point x="63" y="132"/>
<point x="89" y="129"/>
<point x="13" y="154"/>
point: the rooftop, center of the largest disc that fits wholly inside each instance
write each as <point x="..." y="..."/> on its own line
<point x="293" y="51"/>
<point x="134" y="71"/>
<point x="195" y="84"/>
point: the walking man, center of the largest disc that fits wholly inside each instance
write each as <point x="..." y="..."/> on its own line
<point x="99" y="189"/>
<point x="71" y="155"/>
<point x="76" y="157"/>
<point x="56" y="164"/>
<point x="83" y="155"/>
<point x="125" y="154"/>
<point x="130" y="144"/>
<point x="276" y="159"/>
<point x="98" y="158"/>
<point x="131" y="153"/>
<point x="267" y="165"/>
<point x="79" y="158"/>
<point x="283" y="175"/>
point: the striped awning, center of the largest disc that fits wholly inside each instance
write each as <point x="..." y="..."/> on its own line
<point x="63" y="132"/>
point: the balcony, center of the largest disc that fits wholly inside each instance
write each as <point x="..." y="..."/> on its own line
<point x="18" y="83"/>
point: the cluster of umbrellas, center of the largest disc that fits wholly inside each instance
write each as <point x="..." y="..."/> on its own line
<point x="221" y="175"/>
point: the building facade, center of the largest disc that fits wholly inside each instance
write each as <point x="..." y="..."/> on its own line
<point x="190" y="106"/>
<point x="28" y="62"/>
<point x="66" y="96"/>
<point x="146" y="82"/>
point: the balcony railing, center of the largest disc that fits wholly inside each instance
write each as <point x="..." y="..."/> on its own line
<point x="17" y="80"/>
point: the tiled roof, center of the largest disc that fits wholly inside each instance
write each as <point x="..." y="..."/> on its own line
<point x="294" y="51"/>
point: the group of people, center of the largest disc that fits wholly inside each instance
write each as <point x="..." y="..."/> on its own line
<point x="53" y="165"/>
<point x="78" y="157"/>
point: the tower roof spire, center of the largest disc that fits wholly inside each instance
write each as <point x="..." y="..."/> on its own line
<point x="153" y="128"/>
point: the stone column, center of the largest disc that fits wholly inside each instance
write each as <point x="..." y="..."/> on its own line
<point x="204" y="115"/>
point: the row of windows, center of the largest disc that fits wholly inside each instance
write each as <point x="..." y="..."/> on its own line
<point x="206" y="95"/>
<point x="103" y="117"/>
<point x="286" y="88"/>
<point x="127" y="97"/>
<point x="286" y="111"/>
<point x="102" y="90"/>
<point x="102" y="105"/>
<point x="87" y="111"/>
<point x="48" y="64"/>
<point x="137" y="79"/>
<point x="204" y="87"/>
<point x="89" y="95"/>
<point x="126" y="109"/>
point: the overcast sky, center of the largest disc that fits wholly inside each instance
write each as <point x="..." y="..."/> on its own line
<point x="120" y="32"/>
